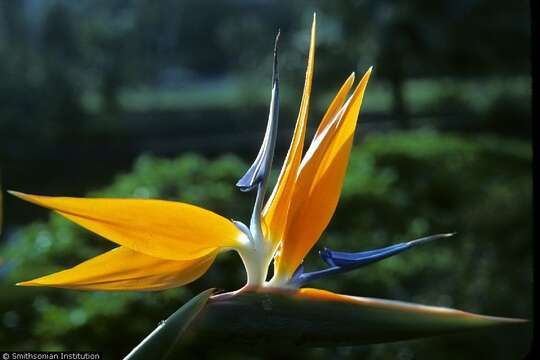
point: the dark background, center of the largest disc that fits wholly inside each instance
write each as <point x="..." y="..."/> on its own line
<point x="96" y="95"/>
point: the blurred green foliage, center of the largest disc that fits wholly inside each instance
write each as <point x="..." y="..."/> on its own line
<point x="89" y="85"/>
<point x="399" y="186"/>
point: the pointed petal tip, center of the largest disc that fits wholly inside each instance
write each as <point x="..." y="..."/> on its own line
<point x="39" y="281"/>
<point x="34" y="199"/>
<point x="369" y="71"/>
<point x="28" y="283"/>
<point x="498" y="320"/>
<point x="16" y="193"/>
<point x="27" y="197"/>
<point x="276" y="43"/>
<point x="367" y="74"/>
<point x="430" y="238"/>
<point x="365" y="77"/>
<point x="350" y="79"/>
<point x="510" y="320"/>
<point x="275" y="69"/>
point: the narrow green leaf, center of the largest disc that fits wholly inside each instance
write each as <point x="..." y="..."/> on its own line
<point x="161" y="341"/>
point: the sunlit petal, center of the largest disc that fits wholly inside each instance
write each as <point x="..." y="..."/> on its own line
<point x="164" y="229"/>
<point x="275" y="211"/>
<point x="319" y="183"/>
<point x="316" y="151"/>
<point x="333" y="109"/>
<point x="125" y="269"/>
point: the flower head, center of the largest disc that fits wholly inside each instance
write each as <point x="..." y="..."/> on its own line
<point x="170" y="243"/>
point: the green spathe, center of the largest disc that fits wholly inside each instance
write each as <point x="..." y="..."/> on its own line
<point x="290" y="319"/>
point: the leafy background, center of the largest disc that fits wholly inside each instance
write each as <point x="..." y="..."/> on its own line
<point x="168" y="100"/>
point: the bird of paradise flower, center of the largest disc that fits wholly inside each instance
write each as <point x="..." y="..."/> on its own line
<point x="166" y="244"/>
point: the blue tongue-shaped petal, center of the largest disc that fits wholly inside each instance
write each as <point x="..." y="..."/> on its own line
<point x="341" y="262"/>
<point x="357" y="259"/>
<point x="343" y="259"/>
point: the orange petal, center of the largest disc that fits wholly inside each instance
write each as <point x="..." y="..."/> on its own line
<point x="125" y="269"/>
<point x="333" y="109"/>
<point x="327" y="124"/>
<point x="275" y="212"/>
<point x="163" y="229"/>
<point x="319" y="183"/>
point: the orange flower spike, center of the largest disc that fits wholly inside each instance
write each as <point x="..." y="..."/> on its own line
<point x="274" y="214"/>
<point x="319" y="184"/>
<point x="329" y="116"/>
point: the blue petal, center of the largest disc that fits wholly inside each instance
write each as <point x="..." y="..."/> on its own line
<point x="341" y="262"/>
<point x="357" y="259"/>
